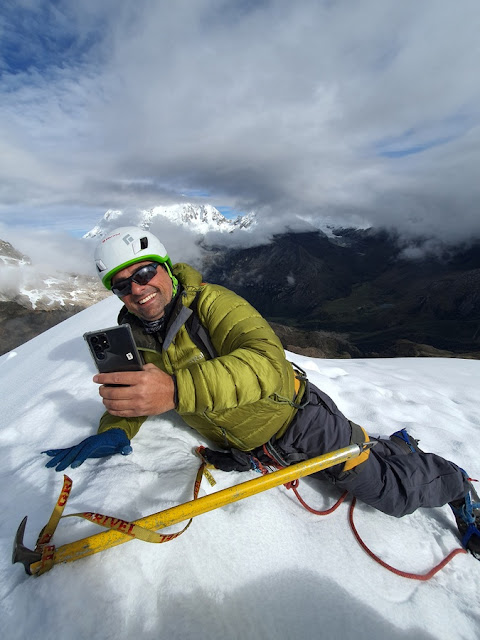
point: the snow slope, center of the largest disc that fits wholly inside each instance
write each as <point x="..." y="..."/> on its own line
<point x="263" y="567"/>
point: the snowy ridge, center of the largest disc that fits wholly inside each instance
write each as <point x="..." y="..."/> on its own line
<point x="10" y="257"/>
<point x="61" y="292"/>
<point x="21" y="282"/>
<point x="8" y="261"/>
<point x="262" y="567"/>
<point x="33" y="290"/>
<point x="200" y="219"/>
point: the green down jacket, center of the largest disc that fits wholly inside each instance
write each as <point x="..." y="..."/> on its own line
<point x="240" y="398"/>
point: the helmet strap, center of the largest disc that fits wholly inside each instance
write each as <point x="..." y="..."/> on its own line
<point x="172" y="278"/>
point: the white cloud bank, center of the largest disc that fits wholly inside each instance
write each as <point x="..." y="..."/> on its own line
<point x="333" y="110"/>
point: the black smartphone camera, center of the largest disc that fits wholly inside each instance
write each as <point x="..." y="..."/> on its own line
<point x="114" y="349"/>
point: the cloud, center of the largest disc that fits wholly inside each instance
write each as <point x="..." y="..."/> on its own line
<point x="51" y="251"/>
<point x="342" y="111"/>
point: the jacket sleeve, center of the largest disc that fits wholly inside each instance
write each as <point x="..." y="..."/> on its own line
<point x="251" y="364"/>
<point x="131" y="426"/>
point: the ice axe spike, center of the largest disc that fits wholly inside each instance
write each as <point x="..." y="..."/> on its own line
<point x="101" y="541"/>
<point x="21" y="553"/>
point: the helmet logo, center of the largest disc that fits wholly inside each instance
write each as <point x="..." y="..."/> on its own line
<point x="127" y="239"/>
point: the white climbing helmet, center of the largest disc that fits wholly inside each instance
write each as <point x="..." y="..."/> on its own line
<point x="125" y="246"/>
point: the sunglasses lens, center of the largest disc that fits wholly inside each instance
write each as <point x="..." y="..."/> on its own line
<point x="141" y="277"/>
<point x="121" y="289"/>
<point x="145" y="274"/>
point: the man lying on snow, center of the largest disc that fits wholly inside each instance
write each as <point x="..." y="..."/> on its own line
<point x="213" y="358"/>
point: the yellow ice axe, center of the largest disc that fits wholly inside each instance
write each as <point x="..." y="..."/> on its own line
<point x="34" y="562"/>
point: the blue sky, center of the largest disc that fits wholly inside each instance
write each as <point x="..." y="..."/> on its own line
<point x="39" y="39"/>
<point x="317" y="109"/>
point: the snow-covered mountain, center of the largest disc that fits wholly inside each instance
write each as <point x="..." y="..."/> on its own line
<point x="32" y="301"/>
<point x="261" y="567"/>
<point x="199" y="219"/>
<point x="10" y="257"/>
<point x="43" y="292"/>
<point x="25" y="285"/>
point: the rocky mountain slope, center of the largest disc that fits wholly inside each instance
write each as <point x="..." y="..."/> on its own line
<point x="32" y="302"/>
<point x="361" y="287"/>
<point x="10" y="257"/>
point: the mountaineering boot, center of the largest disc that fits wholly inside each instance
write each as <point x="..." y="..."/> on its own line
<point x="467" y="515"/>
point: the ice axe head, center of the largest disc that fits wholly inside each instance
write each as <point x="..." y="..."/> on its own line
<point x="21" y="553"/>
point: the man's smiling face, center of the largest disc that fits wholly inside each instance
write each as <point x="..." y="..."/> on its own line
<point x="147" y="301"/>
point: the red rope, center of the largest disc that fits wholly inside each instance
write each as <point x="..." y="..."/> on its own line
<point x="294" y="484"/>
<point x="412" y="576"/>
<point x="325" y="512"/>
<point x="385" y="565"/>
<point x="404" y="574"/>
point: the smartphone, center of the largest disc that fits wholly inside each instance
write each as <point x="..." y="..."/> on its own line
<point x="114" y="349"/>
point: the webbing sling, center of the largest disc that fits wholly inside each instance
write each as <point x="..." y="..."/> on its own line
<point x="109" y="522"/>
<point x="135" y="530"/>
<point x="46" y="534"/>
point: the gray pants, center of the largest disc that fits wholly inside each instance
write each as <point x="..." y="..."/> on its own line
<point x="393" y="479"/>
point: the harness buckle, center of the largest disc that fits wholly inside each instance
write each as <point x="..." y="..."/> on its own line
<point x="301" y="376"/>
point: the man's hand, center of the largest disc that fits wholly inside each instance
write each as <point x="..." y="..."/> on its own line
<point x="149" y="392"/>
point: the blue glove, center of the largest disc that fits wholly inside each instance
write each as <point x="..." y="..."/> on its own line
<point x="98" y="446"/>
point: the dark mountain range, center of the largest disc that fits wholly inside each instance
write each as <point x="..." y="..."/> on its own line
<point x="359" y="289"/>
